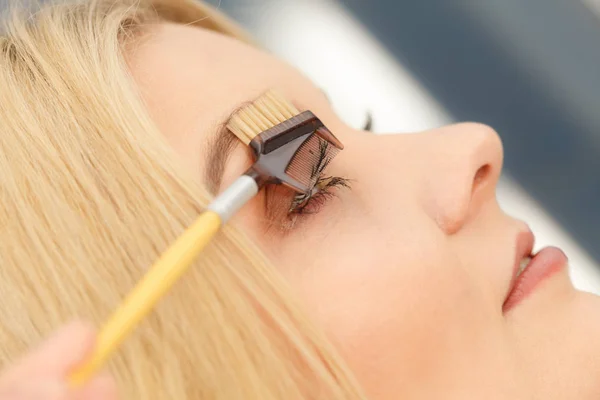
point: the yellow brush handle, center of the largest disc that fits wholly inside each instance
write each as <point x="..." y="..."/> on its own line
<point x="142" y="299"/>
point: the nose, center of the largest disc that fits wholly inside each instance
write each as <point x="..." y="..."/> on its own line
<point x="464" y="163"/>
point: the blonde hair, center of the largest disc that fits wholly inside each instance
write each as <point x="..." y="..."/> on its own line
<point x="91" y="194"/>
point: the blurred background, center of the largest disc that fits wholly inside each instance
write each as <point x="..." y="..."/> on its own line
<point x="528" y="68"/>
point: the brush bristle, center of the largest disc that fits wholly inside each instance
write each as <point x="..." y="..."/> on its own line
<point x="310" y="160"/>
<point x="268" y="110"/>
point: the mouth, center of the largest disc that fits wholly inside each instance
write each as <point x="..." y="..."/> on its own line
<point x="530" y="270"/>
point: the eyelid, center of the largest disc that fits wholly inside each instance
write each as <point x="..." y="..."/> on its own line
<point x="313" y="204"/>
<point x="277" y="212"/>
<point x="276" y="202"/>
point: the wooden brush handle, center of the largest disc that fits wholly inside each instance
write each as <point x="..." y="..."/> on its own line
<point x="142" y="299"/>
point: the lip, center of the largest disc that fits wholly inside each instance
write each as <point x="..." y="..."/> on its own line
<point x="524" y="248"/>
<point x="543" y="265"/>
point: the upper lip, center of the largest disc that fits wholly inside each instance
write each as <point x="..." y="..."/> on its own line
<point x="525" y="242"/>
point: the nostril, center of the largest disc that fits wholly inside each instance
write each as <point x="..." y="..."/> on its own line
<point x="481" y="177"/>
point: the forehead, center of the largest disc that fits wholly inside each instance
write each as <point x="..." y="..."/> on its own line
<point x="192" y="79"/>
<point x="199" y="75"/>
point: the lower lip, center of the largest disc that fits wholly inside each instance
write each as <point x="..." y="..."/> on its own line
<point x="546" y="263"/>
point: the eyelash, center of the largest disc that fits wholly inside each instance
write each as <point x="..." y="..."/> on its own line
<point x="306" y="203"/>
<point x="312" y="204"/>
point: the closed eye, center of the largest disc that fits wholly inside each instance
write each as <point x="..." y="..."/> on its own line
<point x="328" y="186"/>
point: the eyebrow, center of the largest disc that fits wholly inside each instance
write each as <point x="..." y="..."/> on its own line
<point x="221" y="146"/>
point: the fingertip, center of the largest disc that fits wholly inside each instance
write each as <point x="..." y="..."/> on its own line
<point x="79" y="328"/>
<point x="67" y="347"/>
<point x="72" y="329"/>
<point x="77" y="336"/>
<point x="56" y="356"/>
<point x="102" y="387"/>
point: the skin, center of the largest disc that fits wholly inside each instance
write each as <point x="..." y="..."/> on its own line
<point x="42" y="374"/>
<point x="408" y="270"/>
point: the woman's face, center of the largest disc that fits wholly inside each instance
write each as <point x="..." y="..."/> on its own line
<point x="409" y="269"/>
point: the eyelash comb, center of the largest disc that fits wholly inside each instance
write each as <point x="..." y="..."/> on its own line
<point x="287" y="146"/>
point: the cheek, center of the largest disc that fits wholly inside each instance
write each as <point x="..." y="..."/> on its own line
<point x="393" y="297"/>
<point x="388" y="289"/>
<point x="384" y="293"/>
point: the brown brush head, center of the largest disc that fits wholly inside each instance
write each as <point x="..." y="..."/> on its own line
<point x="291" y="147"/>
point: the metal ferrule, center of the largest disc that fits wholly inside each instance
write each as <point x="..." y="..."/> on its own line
<point x="234" y="197"/>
